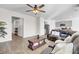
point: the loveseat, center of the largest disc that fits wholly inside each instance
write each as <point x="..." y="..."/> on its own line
<point x="58" y="33"/>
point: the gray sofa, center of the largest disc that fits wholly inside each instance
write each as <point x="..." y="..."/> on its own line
<point x="74" y="40"/>
<point x="76" y="46"/>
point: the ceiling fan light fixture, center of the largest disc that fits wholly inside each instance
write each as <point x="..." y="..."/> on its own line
<point x="35" y="11"/>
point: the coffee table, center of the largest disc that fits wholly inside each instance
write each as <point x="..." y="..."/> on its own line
<point x="35" y="43"/>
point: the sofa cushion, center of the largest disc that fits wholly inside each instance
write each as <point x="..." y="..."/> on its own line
<point x="74" y="36"/>
<point x="56" y="33"/>
<point x="58" y="41"/>
<point x="67" y="39"/>
<point x="63" y="48"/>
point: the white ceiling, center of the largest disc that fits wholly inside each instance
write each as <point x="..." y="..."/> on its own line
<point x="52" y="10"/>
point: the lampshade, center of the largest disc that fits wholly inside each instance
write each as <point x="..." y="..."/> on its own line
<point x="35" y="10"/>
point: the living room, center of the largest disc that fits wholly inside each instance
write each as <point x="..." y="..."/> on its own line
<point x="37" y="26"/>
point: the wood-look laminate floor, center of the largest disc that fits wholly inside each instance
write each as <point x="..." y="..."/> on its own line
<point x="19" y="45"/>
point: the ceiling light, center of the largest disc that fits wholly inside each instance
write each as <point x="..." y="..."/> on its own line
<point x="35" y="11"/>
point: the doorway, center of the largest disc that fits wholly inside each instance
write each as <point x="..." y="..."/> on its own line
<point x="46" y="27"/>
<point x="17" y="26"/>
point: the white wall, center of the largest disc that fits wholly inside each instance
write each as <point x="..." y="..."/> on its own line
<point x="42" y="30"/>
<point x="75" y="23"/>
<point x="51" y="23"/>
<point x="29" y="23"/>
<point x="40" y="26"/>
<point x="4" y="16"/>
<point x="74" y="19"/>
<point x="30" y="26"/>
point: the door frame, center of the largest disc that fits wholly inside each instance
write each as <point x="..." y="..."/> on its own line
<point x="22" y="25"/>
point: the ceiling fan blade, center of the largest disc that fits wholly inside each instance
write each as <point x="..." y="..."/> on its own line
<point x="42" y="11"/>
<point x="41" y="6"/>
<point x="29" y="5"/>
<point x="28" y="10"/>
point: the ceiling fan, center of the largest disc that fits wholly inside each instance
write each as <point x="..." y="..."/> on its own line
<point x="36" y="9"/>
